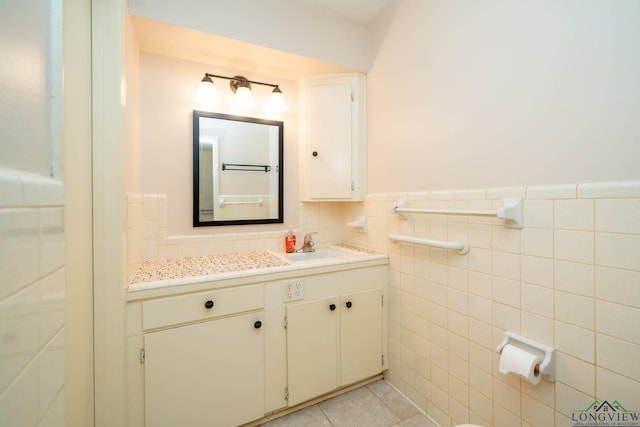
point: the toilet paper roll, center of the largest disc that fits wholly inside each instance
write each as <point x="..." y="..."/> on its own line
<point x="518" y="361"/>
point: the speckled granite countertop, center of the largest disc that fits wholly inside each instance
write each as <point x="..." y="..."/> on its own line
<point x="168" y="272"/>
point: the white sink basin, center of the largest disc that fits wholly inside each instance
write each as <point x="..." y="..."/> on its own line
<point x="317" y="254"/>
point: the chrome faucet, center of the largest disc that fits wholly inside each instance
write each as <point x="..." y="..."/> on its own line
<point x="307" y="246"/>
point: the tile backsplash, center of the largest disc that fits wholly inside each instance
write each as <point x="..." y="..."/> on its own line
<point x="148" y="238"/>
<point x="570" y="278"/>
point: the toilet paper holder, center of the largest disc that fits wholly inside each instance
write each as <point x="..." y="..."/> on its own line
<point x="548" y="366"/>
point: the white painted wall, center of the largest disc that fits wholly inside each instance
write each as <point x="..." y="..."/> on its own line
<point x="290" y="26"/>
<point x="167" y="100"/>
<point x="502" y="93"/>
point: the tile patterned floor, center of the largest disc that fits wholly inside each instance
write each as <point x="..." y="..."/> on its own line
<point x="374" y="405"/>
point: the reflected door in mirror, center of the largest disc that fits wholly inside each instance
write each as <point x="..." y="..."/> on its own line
<point x="237" y="164"/>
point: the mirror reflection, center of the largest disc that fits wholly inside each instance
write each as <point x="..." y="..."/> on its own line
<point x="237" y="164"/>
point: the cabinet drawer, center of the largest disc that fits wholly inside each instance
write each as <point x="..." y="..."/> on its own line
<point x="203" y="305"/>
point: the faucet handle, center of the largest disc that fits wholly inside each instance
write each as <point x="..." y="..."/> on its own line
<point x="308" y="237"/>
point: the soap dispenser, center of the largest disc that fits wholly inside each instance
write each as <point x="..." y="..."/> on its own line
<point x="290" y="241"/>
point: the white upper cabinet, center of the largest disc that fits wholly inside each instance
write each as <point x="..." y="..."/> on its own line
<point x="333" y="132"/>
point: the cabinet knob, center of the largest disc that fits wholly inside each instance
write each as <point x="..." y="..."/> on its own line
<point x="314" y="154"/>
<point x="208" y="305"/>
<point x="332" y="307"/>
<point x="257" y="325"/>
<point x="348" y="304"/>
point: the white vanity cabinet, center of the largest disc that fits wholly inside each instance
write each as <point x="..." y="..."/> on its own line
<point x="232" y="351"/>
<point x="333" y="342"/>
<point x="210" y="372"/>
<point x="334" y="152"/>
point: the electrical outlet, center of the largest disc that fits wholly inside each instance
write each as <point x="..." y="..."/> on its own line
<point x="293" y="289"/>
<point x="298" y="290"/>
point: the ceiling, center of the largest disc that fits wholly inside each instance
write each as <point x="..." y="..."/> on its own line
<point x="361" y="11"/>
<point x="181" y="42"/>
<point x="167" y="39"/>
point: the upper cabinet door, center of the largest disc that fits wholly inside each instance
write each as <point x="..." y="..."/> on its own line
<point x="333" y="131"/>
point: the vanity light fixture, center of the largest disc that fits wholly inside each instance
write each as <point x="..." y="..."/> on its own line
<point x="241" y="86"/>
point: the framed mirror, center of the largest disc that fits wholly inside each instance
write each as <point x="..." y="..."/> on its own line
<point x="237" y="170"/>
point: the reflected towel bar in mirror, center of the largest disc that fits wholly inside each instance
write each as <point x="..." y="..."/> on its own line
<point x="237" y="167"/>
<point x="222" y="202"/>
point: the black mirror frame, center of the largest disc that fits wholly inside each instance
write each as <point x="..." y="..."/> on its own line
<point x="196" y="169"/>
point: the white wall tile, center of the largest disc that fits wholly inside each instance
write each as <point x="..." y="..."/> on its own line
<point x="537" y="242"/>
<point x="480" y="260"/>
<point x="480" y="236"/>
<point x="458" y="278"/>
<point x="505" y="239"/>
<point x="613" y="386"/>
<point x="503" y="417"/>
<point x="471" y="194"/>
<point x="51" y="371"/>
<point x="537" y="299"/>
<point x="537" y="271"/>
<point x="480" y="284"/>
<point x="575" y="341"/>
<point x="481" y="405"/>
<point x="618" y="356"/>
<point x="480" y="308"/>
<point x="575" y="309"/>
<point x="562" y="420"/>
<point x="19" y="402"/>
<point x="618" y="215"/>
<point x="569" y="399"/>
<point x="537" y="327"/>
<point x="575" y="246"/>
<point x="536" y="413"/>
<point x="609" y="190"/>
<point x="538" y="213"/>
<point x="506" y="265"/>
<point x="459" y="323"/>
<point x="506" y="317"/>
<point x="458" y="300"/>
<point x="506" y="395"/>
<point x="618" y="320"/>
<point x="544" y="391"/>
<point x="574" y="277"/>
<point x="506" y="291"/>
<point x="619" y="286"/>
<point x="618" y="250"/>
<point x="574" y="214"/>
<point x="459" y="411"/>
<point x="502" y="192"/>
<point x="576" y="373"/>
<point x="558" y="191"/>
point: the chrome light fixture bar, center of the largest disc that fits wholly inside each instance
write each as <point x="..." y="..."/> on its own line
<point x="241" y="86"/>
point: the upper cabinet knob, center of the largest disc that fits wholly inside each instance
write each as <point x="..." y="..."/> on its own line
<point x="348" y="304"/>
<point x="257" y="325"/>
<point x="332" y="307"/>
<point x="314" y="154"/>
<point x="208" y="304"/>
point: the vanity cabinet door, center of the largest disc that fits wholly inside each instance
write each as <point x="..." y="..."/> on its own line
<point x="311" y="349"/>
<point x="334" y="157"/>
<point x="360" y="335"/>
<point x="205" y="374"/>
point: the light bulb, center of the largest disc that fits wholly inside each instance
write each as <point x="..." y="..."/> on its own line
<point x="243" y="98"/>
<point x="207" y="96"/>
<point x="276" y="102"/>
